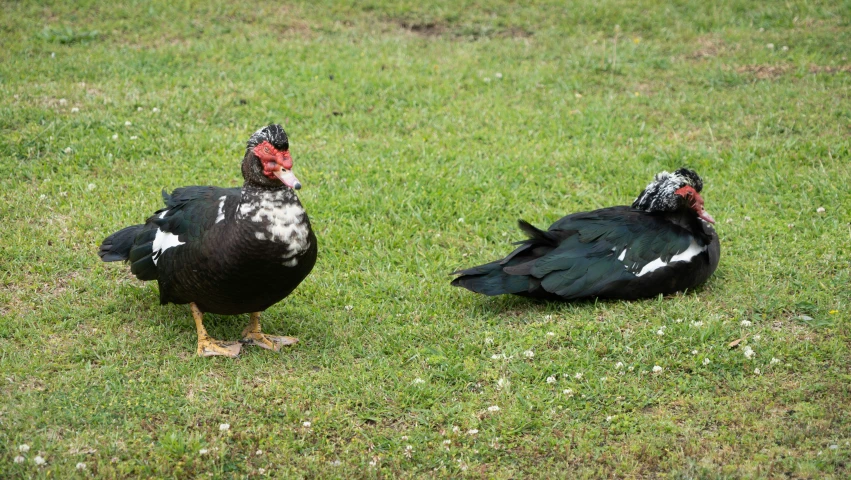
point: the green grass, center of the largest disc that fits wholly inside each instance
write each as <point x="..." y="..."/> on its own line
<point x="439" y="112"/>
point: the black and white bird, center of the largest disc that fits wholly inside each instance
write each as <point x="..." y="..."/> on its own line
<point x="227" y="250"/>
<point x="662" y="244"/>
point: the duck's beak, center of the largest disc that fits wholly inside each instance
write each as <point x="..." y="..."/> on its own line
<point x="705" y="216"/>
<point x="286" y="176"/>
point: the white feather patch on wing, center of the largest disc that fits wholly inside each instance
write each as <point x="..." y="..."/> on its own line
<point x="221" y="215"/>
<point x="692" y="251"/>
<point x="162" y="242"/>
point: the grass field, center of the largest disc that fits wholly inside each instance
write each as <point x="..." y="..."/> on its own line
<point x="421" y="133"/>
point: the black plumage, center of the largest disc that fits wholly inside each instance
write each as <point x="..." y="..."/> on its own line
<point x="662" y="244"/>
<point x="226" y="250"/>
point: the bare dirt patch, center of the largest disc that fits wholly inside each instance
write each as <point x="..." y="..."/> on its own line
<point x="708" y="47"/>
<point x="424" y="29"/>
<point x="832" y="69"/>
<point x="765" y="72"/>
<point x="431" y="29"/>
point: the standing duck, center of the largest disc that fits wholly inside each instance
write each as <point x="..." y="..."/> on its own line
<point x="227" y="250"/>
<point x="662" y="244"/>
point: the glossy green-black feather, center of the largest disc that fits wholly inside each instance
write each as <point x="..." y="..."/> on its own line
<point x="599" y="254"/>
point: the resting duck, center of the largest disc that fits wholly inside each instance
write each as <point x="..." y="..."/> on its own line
<point x="662" y="244"/>
<point x="227" y="250"/>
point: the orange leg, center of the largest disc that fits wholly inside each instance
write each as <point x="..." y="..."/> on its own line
<point x="253" y="336"/>
<point x="207" y="345"/>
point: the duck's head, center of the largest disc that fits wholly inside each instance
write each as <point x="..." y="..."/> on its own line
<point x="669" y="192"/>
<point x="267" y="159"/>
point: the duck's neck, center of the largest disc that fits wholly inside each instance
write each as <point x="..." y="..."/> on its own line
<point x="283" y="193"/>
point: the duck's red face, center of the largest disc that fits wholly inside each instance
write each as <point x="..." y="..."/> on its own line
<point x="695" y="202"/>
<point x="277" y="164"/>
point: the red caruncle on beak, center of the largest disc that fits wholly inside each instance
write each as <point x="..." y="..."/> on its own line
<point x="277" y="164"/>
<point x="695" y="202"/>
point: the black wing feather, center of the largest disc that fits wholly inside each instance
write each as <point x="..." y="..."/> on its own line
<point x="578" y="256"/>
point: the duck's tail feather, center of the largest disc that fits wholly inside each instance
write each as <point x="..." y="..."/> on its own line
<point x="117" y="246"/>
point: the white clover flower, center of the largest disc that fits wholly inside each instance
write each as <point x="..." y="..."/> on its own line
<point x="694" y="352"/>
<point x="224" y="427"/>
<point x="820" y="210"/>
<point x="409" y="447"/>
<point x="679" y="320"/>
<point x="75" y="110"/>
<point x="706" y="361"/>
<point x="657" y="369"/>
<point x="747" y="219"/>
<point x="39" y="460"/>
<point x="127" y="123"/>
<point x="619" y="365"/>
<point x="497" y="356"/>
<point x="551" y="379"/>
<point x="756" y="371"/>
<point x="502" y="383"/>
<point x="24" y="448"/>
<point x="631" y="368"/>
<point x="568" y="392"/>
<point x="447" y="442"/>
<point x="62" y="101"/>
<point x="261" y="470"/>
<point x="748" y="351"/>
<point x="306" y="424"/>
<point x="551" y="334"/>
<point x="139" y="109"/>
<point x="698" y="323"/>
<point x="660" y="332"/>
<point x="348" y="308"/>
<point x="91" y="187"/>
<point x="258" y="452"/>
<point x="42" y="197"/>
<point x="529" y="354"/>
<point x="68" y="150"/>
<point x="373" y="462"/>
<point x="419" y="380"/>
<point x="578" y="376"/>
<point x="19" y="459"/>
<point x="487" y="79"/>
<point x="493" y="408"/>
<point x="603" y="379"/>
<point x="456" y="429"/>
<point x="404" y="438"/>
<point x="155" y="109"/>
<point x="548" y="317"/>
<point x="134" y="137"/>
<point x="497" y="75"/>
<point x="203" y="451"/>
<point x="81" y="466"/>
<point x="461" y="220"/>
<point x="472" y="431"/>
<point x="488" y="341"/>
<point x="115" y="136"/>
<point x="609" y="418"/>
<point x="774" y="361"/>
<point x="746" y="323"/>
<point x="769" y="46"/>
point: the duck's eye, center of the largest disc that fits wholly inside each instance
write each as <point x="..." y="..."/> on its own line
<point x="266" y="149"/>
